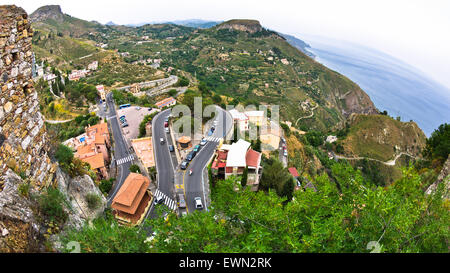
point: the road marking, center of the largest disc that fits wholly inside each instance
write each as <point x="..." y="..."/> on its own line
<point x="125" y="160"/>
<point x="184" y="191"/>
<point x="170" y="203"/>
<point x="213" y="139"/>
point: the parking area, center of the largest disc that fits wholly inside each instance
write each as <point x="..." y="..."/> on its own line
<point x="133" y="117"/>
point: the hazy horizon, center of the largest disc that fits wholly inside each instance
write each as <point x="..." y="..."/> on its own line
<point x="415" y="31"/>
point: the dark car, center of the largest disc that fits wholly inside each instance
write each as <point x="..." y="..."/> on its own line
<point x="159" y="199"/>
<point x="171" y="148"/>
<point x="197" y="148"/>
<point x="184" y="165"/>
<point x="190" y="156"/>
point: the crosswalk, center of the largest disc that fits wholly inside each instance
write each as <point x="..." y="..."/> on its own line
<point x="171" y="204"/>
<point x="125" y="160"/>
<point x="213" y="139"/>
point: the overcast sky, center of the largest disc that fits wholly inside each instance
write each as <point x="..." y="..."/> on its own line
<point x="415" y="31"/>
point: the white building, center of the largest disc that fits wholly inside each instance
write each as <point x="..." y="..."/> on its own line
<point x="240" y="119"/>
<point x="331" y="139"/>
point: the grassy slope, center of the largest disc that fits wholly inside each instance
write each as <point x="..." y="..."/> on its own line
<point x="375" y="136"/>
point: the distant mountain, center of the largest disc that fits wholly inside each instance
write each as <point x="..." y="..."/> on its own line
<point x="194" y="23"/>
<point x="300" y="44"/>
<point x="110" y="23"/>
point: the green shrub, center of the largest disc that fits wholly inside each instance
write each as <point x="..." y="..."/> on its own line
<point x="106" y="185"/>
<point x="93" y="201"/>
<point x="51" y="205"/>
<point x="64" y="154"/>
<point x="135" y="169"/>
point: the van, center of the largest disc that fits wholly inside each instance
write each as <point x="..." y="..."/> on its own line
<point x="182" y="202"/>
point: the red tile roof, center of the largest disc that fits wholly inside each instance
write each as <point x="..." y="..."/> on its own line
<point x="95" y="161"/>
<point x="252" y="158"/>
<point x="131" y="193"/>
<point x="294" y="172"/>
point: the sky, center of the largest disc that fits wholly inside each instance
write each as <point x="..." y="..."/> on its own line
<point x="414" y="31"/>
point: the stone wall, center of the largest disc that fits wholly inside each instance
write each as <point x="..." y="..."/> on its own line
<point x="23" y="138"/>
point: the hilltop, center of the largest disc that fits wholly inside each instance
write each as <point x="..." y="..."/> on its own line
<point x="250" y="26"/>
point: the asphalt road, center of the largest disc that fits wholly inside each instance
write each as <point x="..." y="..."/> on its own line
<point x="164" y="163"/>
<point x="120" y="147"/>
<point x="196" y="185"/>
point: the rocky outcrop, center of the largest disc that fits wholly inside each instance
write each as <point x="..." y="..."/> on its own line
<point x="47" y="12"/>
<point x="23" y="138"/>
<point x="444" y="177"/>
<point x="250" y="26"/>
<point x="19" y="229"/>
<point x="76" y="189"/>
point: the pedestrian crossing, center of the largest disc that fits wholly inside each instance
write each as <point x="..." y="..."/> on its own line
<point x="213" y="139"/>
<point x="171" y="204"/>
<point x="125" y="160"/>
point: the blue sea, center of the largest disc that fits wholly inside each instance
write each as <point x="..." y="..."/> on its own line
<point x="392" y="85"/>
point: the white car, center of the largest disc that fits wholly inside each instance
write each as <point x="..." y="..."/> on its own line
<point x="167" y="130"/>
<point x="198" y="203"/>
<point x="161" y="140"/>
<point x="203" y="142"/>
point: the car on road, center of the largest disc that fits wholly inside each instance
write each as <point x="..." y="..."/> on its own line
<point x="203" y="142"/>
<point x="184" y="165"/>
<point x="197" y="148"/>
<point x="215" y="122"/>
<point x="166" y="124"/>
<point x="138" y="108"/>
<point x="159" y="199"/>
<point x="166" y="119"/>
<point x="171" y="148"/>
<point x="213" y="128"/>
<point x="167" y="130"/>
<point x="190" y="156"/>
<point x="283" y="139"/>
<point x="182" y="202"/>
<point x="161" y="140"/>
<point x="124" y="124"/>
<point x="198" y="203"/>
<point x="150" y="109"/>
<point x="285" y="152"/>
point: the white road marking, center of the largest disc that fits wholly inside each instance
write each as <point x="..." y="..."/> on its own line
<point x="170" y="203"/>
<point x="125" y="160"/>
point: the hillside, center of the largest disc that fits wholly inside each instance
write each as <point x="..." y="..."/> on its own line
<point x="381" y="137"/>
<point x="236" y="58"/>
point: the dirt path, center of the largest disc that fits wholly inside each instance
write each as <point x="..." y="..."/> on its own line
<point x="387" y="163"/>
<point x="310" y="116"/>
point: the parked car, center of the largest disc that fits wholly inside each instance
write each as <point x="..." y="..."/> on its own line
<point x="203" y="142"/>
<point x="167" y="130"/>
<point x="184" y="165"/>
<point x="190" y="156"/>
<point x="150" y="109"/>
<point x="125" y="124"/>
<point x="197" y="148"/>
<point x="166" y="124"/>
<point x="285" y="153"/>
<point x="138" y="108"/>
<point x="171" y="148"/>
<point x="181" y="203"/>
<point x="161" y="140"/>
<point x="166" y="120"/>
<point x="213" y="128"/>
<point x="198" y="203"/>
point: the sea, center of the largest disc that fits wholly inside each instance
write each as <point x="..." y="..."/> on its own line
<point x="400" y="89"/>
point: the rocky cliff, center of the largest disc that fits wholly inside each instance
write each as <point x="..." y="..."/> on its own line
<point x="47" y="12"/>
<point x="250" y="26"/>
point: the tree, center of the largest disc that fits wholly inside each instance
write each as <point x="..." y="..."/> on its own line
<point x="152" y="173"/>
<point x="288" y="189"/>
<point x="244" y="177"/>
<point x="438" y="145"/>
<point x="274" y="176"/>
<point x="106" y="185"/>
<point x="64" y="154"/>
<point x="135" y="169"/>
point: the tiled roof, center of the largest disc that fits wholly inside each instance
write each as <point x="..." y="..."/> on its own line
<point x="85" y="149"/>
<point x="294" y="172"/>
<point x="252" y="158"/>
<point x="165" y="102"/>
<point x="95" y="161"/>
<point x="131" y="193"/>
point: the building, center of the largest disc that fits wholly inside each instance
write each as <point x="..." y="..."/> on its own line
<point x="93" y="66"/>
<point x="144" y="151"/>
<point x="166" y="102"/>
<point x="233" y="159"/>
<point x="93" y="147"/>
<point x="272" y="136"/>
<point x="285" y="61"/>
<point x="132" y="200"/>
<point x="102" y="92"/>
<point x="77" y="74"/>
<point x="293" y="171"/>
<point x="185" y="142"/>
<point x="240" y="120"/>
<point x="331" y="139"/>
<point x="256" y="117"/>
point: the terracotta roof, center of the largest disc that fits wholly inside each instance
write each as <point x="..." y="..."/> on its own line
<point x="85" y="149"/>
<point x="294" y="172"/>
<point x="144" y="151"/>
<point x="184" y="139"/>
<point x="165" y="102"/>
<point x="252" y="158"/>
<point x="131" y="193"/>
<point x="95" y="161"/>
<point x="221" y="160"/>
<point x="101" y="128"/>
